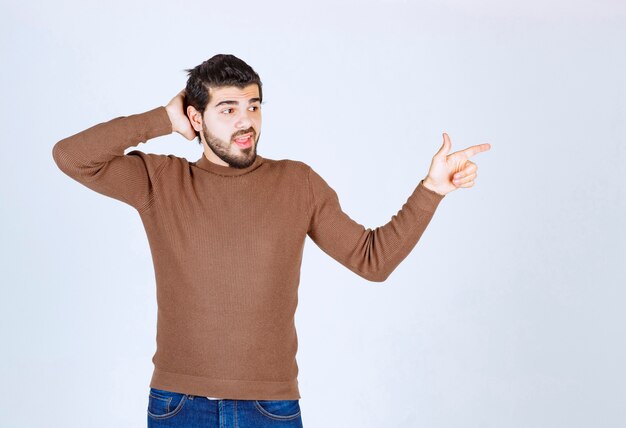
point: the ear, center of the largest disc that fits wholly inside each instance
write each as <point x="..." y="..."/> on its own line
<point x="195" y="118"/>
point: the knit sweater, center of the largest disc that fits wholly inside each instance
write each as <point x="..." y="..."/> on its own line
<point x="227" y="247"/>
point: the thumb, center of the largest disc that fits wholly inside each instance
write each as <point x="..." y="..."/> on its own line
<point x="445" y="147"/>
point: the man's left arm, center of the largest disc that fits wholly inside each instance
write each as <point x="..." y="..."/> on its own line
<point x="375" y="253"/>
<point x="370" y="253"/>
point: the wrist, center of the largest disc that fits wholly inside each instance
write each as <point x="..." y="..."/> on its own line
<point x="428" y="183"/>
<point x="170" y="116"/>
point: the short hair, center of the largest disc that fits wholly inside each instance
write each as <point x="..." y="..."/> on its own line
<point x="219" y="71"/>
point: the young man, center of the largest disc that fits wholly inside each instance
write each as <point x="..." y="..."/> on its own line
<point x="227" y="233"/>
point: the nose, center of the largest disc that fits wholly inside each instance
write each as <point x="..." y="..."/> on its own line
<point x="244" y="121"/>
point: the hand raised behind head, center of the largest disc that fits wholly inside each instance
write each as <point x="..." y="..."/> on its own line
<point x="176" y="112"/>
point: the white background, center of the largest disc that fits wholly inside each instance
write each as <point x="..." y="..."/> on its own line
<point x="508" y="312"/>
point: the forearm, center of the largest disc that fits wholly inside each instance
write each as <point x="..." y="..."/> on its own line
<point x="87" y="151"/>
<point x="427" y="182"/>
<point x="391" y="243"/>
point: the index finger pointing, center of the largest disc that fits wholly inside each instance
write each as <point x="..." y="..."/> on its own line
<point x="471" y="151"/>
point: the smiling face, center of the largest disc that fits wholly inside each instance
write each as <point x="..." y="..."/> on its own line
<point x="232" y="115"/>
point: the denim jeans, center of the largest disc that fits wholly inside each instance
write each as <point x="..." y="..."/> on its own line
<point x="177" y="410"/>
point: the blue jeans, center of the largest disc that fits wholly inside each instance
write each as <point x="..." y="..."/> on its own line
<point x="168" y="409"/>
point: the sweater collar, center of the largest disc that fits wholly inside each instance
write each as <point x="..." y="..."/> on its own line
<point x="209" y="166"/>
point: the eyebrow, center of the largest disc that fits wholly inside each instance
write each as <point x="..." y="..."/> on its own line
<point x="232" y="102"/>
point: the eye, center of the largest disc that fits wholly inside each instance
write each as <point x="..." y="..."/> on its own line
<point x="226" y="110"/>
<point x="256" y="108"/>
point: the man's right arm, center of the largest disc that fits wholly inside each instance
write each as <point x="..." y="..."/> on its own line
<point x="95" y="157"/>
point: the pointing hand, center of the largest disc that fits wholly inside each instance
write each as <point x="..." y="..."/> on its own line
<point x="449" y="172"/>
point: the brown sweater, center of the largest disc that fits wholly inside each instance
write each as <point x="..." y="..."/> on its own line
<point x="227" y="249"/>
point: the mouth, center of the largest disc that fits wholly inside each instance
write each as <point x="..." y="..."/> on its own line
<point x="244" y="141"/>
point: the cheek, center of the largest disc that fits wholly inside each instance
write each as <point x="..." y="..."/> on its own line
<point x="223" y="131"/>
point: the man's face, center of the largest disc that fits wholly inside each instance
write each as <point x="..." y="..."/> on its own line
<point x="233" y="113"/>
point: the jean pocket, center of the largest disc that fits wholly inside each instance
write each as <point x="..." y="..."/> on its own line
<point x="165" y="404"/>
<point x="278" y="409"/>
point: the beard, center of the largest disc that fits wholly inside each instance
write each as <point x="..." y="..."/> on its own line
<point x="221" y="148"/>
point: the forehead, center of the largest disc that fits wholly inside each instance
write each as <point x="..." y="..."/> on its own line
<point x="234" y="93"/>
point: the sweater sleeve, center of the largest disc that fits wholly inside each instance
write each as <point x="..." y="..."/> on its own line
<point x="95" y="157"/>
<point x="372" y="254"/>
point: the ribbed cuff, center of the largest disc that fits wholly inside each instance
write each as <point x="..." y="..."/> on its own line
<point x="156" y="122"/>
<point x="430" y="198"/>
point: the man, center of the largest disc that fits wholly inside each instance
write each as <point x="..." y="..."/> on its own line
<point x="227" y="234"/>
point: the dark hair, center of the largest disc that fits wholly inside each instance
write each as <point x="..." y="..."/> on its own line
<point x="219" y="71"/>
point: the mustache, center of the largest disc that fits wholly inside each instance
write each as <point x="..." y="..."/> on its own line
<point x="249" y="131"/>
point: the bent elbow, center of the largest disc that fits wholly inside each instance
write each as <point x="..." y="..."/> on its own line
<point x="375" y="276"/>
<point x="60" y="157"/>
<point x="72" y="165"/>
